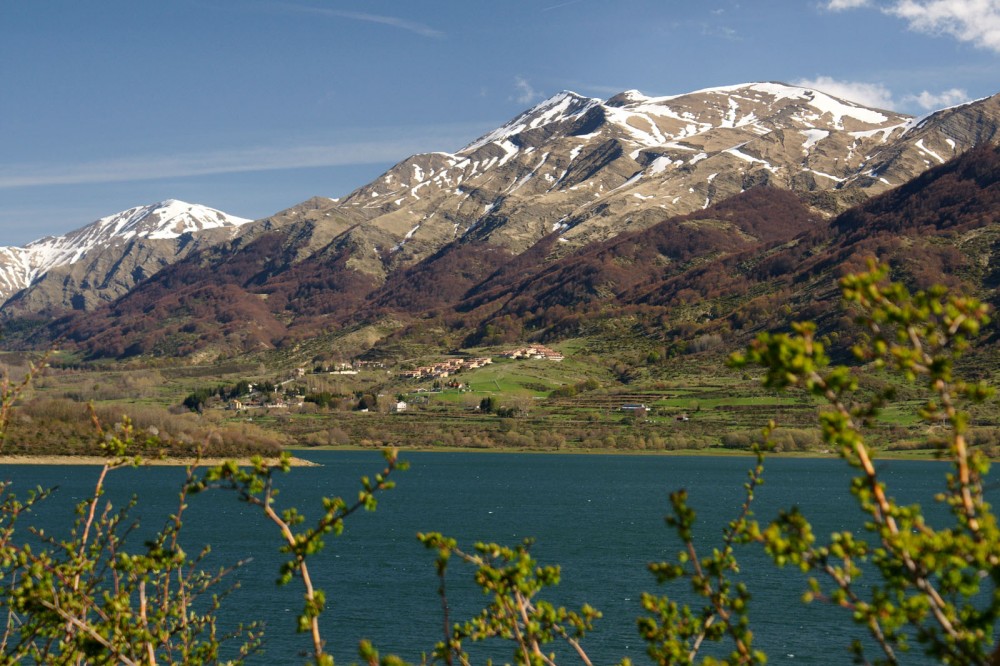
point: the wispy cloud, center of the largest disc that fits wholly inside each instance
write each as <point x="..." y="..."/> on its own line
<point x="392" y="21"/>
<point x="868" y="94"/>
<point x="723" y="31"/>
<point x="561" y="5"/>
<point x="261" y="158"/>
<point x="524" y="93"/>
<point x="972" y="21"/>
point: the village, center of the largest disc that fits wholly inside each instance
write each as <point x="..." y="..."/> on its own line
<point x="294" y="392"/>
<point x="451" y="366"/>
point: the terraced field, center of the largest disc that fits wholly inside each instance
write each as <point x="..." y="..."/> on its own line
<point x="673" y="418"/>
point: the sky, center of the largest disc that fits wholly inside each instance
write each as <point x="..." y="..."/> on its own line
<point x="254" y="106"/>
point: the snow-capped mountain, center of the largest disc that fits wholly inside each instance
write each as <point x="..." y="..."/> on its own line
<point x="590" y="169"/>
<point x="442" y="228"/>
<point x="94" y="258"/>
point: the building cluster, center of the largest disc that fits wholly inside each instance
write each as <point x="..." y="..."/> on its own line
<point x="446" y="368"/>
<point x="352" y="368"/>
<point x="261" y="401"/>
<point x="533" y="351"/>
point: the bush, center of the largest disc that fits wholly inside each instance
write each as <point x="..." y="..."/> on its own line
<point x="742" y="441"/>
<point x="45" y="426"/>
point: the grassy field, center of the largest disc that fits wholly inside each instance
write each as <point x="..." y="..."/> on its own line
<point x="579" y="404"/>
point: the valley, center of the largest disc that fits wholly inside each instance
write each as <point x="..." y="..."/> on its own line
<point x="638" y="241"/>
<point x="591" y="401"/>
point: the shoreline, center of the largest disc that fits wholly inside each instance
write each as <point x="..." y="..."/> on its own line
<point x="146" y="462"/>
<point x="49" y="459"/>
<point x="921" y="455"/>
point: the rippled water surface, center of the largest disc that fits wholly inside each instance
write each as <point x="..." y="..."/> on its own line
<point x="599" y="516"/>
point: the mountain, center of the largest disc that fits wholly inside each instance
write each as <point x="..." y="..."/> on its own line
<point x="752" y="262"/>
<point x="586" y="170"/>
<point x="600" y="275"/>
<point x="575" y="207"/>
<point x="589" y="170"/>
<point x="104" y="260"/>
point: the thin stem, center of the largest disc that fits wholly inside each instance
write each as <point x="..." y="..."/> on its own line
<point x="445" y="611"/>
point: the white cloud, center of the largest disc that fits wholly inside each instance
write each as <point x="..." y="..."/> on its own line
<point x="975" y="21"/>
<point x="719" y="31"/>
<point x="934" y="101"/>
<point x="841" y="5"/>
<point x="525" y="93"/>
<point x="868" y="94"/>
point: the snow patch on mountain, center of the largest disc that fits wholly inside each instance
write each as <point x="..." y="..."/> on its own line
<point x="650" y="122"/>
<point x="813" y="136"/>
<point x="924" y="149"/>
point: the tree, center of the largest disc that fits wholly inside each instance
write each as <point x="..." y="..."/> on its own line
<point x="513" y="579"/>
<point x="368" y="402"/>
<point x="323" y="399"/>
<point x="89" y="599"/>
<point x="256" y="487"/>
<point x="938" y="587"/>
<point x="196" y="401"/>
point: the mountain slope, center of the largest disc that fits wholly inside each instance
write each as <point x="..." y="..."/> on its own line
<point x="588" y="170"/>
<point x="754" y="262"/>
<point x="598" y="275"/>
<point x="231" y="297"/>
<point x="942" y="227"/>
<point x="751" y="262"/>
<point x="931" y="141"/>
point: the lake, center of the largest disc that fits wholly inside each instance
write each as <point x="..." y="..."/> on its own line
<point x="599" y="516"/>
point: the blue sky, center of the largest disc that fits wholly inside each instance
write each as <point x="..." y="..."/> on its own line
<point x="253" y="106"/>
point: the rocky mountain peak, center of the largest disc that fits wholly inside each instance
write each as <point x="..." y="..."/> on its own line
<point x="167" y="219"/>
<point x="625" y="98"/>
<point x="758" y="107"/>
<point x="565" y="106"/>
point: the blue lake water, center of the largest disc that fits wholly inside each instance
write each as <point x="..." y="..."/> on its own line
<point x="599" y="516"/>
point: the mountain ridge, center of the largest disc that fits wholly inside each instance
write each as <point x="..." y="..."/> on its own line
<point x="643" y="145"/>
<point x="439" y="231"/>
